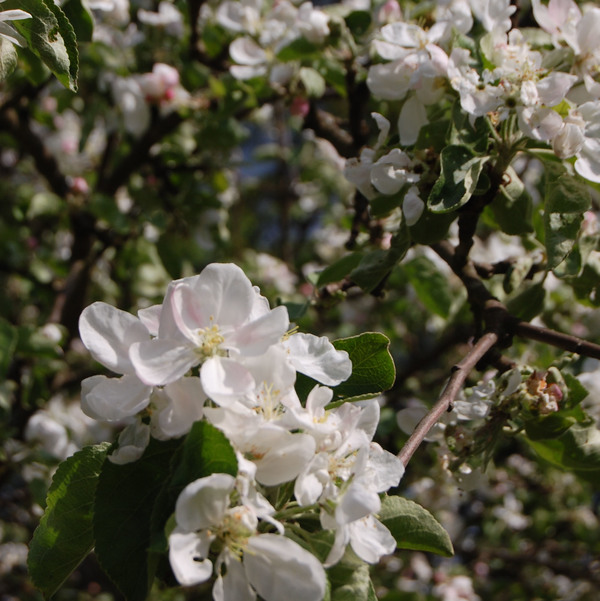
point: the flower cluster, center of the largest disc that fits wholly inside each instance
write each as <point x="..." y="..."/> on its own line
<point x="214" y="350"/>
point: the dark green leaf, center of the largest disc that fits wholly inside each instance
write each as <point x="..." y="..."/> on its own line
<point x="299" y="49"/>
<point x="339" y="270"/>
<point x="376" y="265"/>
<point x="80" y="18"/>
<point x="414" y="527"/>
<point x="576" y="450"/>
<point x="373" y="369"/>
<point x="9" y="337"/>
<point x="512" y="206"/>
<point x="51" y="36"/>
<point x="460" y="171"/>
<point x="528" y="303"/>
<point x="432" y="136"/>
<point x="358" y="22"/>
<point x="65" y="534"/>
<point x="566" y="199"/>
<point x="430" y="285"/>
<point x="125" y="500"/>
<point x="205" y="451"/>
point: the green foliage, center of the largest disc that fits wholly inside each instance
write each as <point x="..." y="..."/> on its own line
<point x="459" y="174"/>
<point x="373" y="369"/>
<point x="51" y="37"/>
<point x="8" y="58"/>
<point x="123" y="509"/>
<point x="414" y="527"/>
<point x="566" y="199"/>
<point x="80" y="18"/>
<point x="65" y="534"/>
<point x="430" y="285"/>
<point x="350" y="580"/>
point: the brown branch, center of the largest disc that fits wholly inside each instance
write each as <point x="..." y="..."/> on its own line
<point x="460" y="373"/>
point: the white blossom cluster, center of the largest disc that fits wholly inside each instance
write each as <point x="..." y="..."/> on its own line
<point x="214" y="350"/>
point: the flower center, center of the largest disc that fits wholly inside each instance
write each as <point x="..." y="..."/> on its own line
<point x="209" y="341"/>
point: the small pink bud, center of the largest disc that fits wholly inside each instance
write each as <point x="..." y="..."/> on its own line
<point x="299" y="107"/>
<point x="79" y="185"/>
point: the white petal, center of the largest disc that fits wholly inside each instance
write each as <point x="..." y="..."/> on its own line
<point x="187" y="556"/>
<point x="412" y="117"/>
<point x="317" y="358"/>
<point x="287" y="455"/>
<point x="357" y="502"/>
<point x="150" y="317"/>
<point x="132" y="442"/>
<point x="278" y="568"/>
<point x="412" y="206"/>
<point x="233" y="586"/>
<point x="225" y="380"/>
<point x="159" y="362"/>
<point x="384" y="469"/>
<point x="370" y="539"/>
<point x="255" y="337"/>
<point x="108" y="333"/>
<point x="186" y="399"/>
<point x="246" y="51"/>
<point x="202" y="503"/>
<point x="113" y="399"/>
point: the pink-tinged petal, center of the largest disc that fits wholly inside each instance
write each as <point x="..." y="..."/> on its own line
<point x="317" y="358"/>
<point x="150" y="317"/>
<point x="159" y="362"/>
<point x="371" y="540"/>
<point x="278" y="568"/>
<point x="187" y="556"/>
<point x="113" y="399"/>
<point x="188" y="313"/>
<point x="226" y="294"/>
<point x="225" y="380"/>
<point x="108" y="333"/>
<point x="203" y="503"/>
<point x="256" y="337"/>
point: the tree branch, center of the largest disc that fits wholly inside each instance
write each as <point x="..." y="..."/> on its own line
<point x="460" y="373"/>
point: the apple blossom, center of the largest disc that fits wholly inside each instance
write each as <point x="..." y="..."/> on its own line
<point x="271" y="565"/>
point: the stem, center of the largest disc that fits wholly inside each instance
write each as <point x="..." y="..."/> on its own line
<point x="460" y="373"/>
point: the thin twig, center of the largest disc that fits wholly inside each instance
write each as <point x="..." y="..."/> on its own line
<point x="460" y="373"/>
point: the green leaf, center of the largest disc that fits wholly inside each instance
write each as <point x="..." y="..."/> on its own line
<point x="51" y="37"/>
<point x="351" y="581"/>
<point x="313" y="82"/>
<point x="9" y="337"/>
<point x="432" y="136"/>
<point x="373" y="369"/>
<point x="576" y="450"/>
<point x="339" y="270"/>
<point x="204" y="451"/>
<point x="460" y="171"/>
<point x="125" y="500"/>
<point x="358" y="22"/>
<point x="376" y="265"/>
<point x="80" y="18"/>
<point x="414" y="527"/>
<point x="65" y="534"/>
<point x="566" y="199"/>
<point x="512" y="207"/>
<point x="463" y="133"/>
<point x="430" y="285"/>
<point x="298" y="49"/>
<point x="8" y="58"/>
<point x="528" y="303"/>
<point x="431" y="227"/>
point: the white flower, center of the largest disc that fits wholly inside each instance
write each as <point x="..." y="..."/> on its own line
<point x="108" y="334"/>
<point x="268" y="564"/>
<point x="392" y="172"/>
<point x="210" y="320"/>
<point x="167" y="16"/>
<point x="494" y="15"/>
